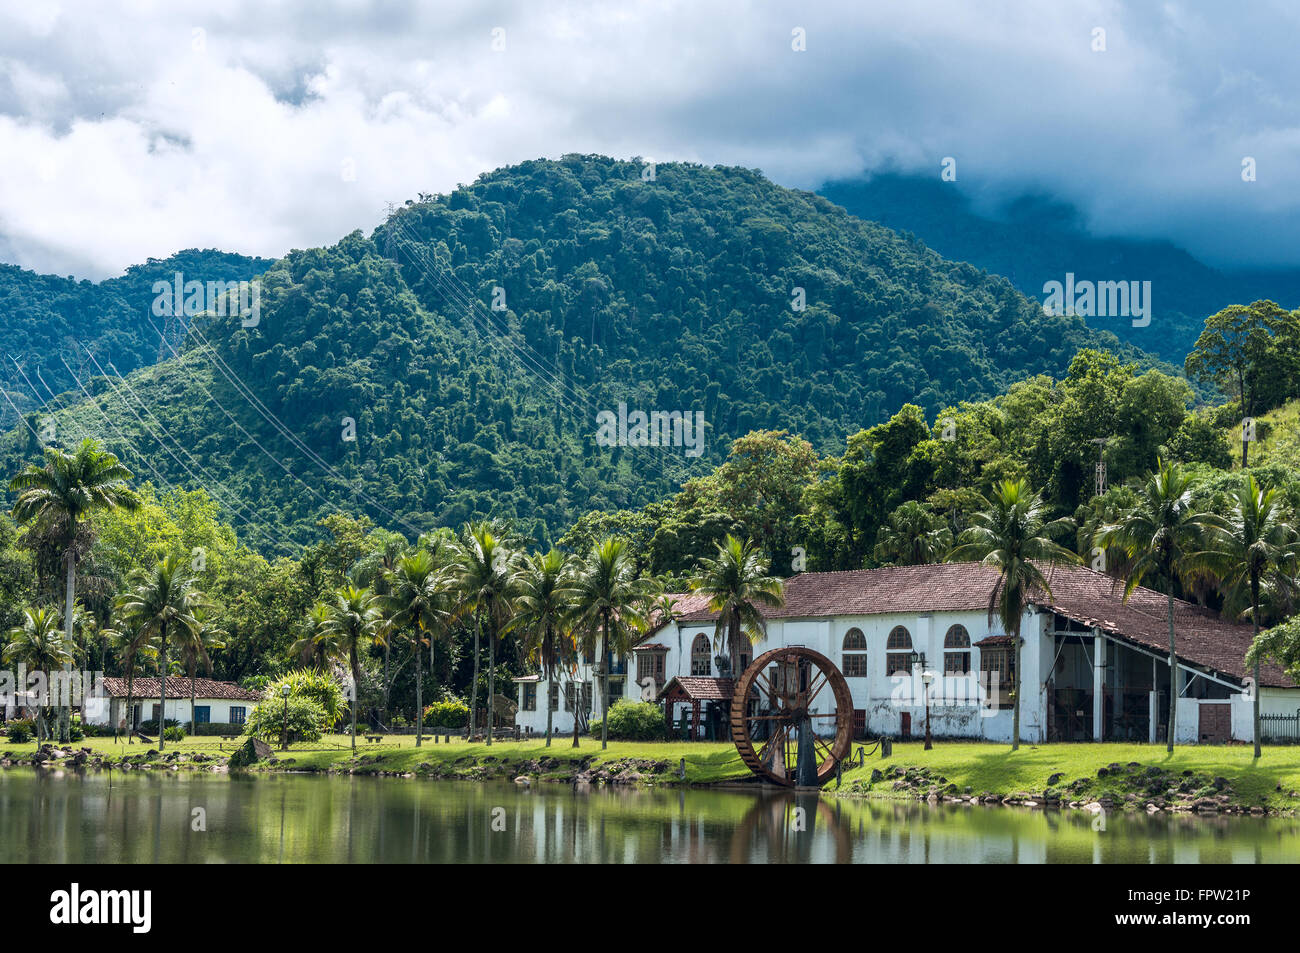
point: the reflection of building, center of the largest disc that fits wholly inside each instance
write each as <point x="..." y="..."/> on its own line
<point x="1095" y="666"/>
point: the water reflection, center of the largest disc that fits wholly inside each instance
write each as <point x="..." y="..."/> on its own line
<point x="137" y="817"/>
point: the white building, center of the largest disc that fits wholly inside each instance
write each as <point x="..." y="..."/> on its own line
<point x="1094" y="666"/>
<point x="214" y="702"/>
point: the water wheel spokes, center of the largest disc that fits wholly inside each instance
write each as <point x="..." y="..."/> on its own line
<point x="780" y="702"/>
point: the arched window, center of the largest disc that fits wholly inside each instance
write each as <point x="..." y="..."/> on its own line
<point x="855" y="654"/>
<point x="956" y="651"/>
<point x="898" y="652"/>
<point x="701" y="655"/>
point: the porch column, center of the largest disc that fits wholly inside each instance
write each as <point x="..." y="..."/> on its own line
<point x="695" y="712"/>
<point x="1098" y="686"/>
<point x="1154" y="705"/>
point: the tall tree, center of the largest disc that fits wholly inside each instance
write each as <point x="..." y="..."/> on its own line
<point x="1165" y="539"/>
<point x="419" y="603"/>
<point x="1254" y="552"/>
<point x="737" y="584"/>
<point x="314" y="645"/>
<point x="196" y="647"/>
<point x="913" y="536"/>
<point x="38" y="644"/>
<point x="60" y="498"/>
<point x="1013" y="535"/>
<point x="163" y="603"/>
<point x="544" y="606"/>
<point x="607" y="600"/>
<point x="487" y="585"/>
<point x="1237" y="352"/>
<point x="356" y="622"/>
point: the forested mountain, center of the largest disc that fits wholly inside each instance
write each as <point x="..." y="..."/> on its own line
<point x="1034" y="239"/>
<point x="45" y="320"/>
<point x="453" y="364"/>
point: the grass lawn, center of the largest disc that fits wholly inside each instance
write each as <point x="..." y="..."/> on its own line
<point x="996" y="769"/>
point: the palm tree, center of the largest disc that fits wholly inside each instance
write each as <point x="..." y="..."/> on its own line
<point x="737" y="583"/>
<point x="1012" y="534"/>
<point x="1252" y="550"/>
<point x="314" y="644"/>
<point x="913" y="536"/>
<point x="163" y="603"/>
<point x="485" y="578"/>
<point x="1165" y="539"/>
<point x="544" y="605"/>
<point x="38" y="644"/>
<point x="418" y="602"/>
<point x="60" y="498"/>
<point x="372" y="571"/>
<point x="355" y="621"/>
<point x="195" y="649"/>
<point x="131" y="642"/>
<point x="607" y="600"/>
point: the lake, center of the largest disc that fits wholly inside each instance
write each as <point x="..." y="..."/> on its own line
<point x="179" y="817"/>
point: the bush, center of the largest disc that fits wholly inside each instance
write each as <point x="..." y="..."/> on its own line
<point x="20" y="731"/>
<point x="216" y="728"/>
<point x="309" y="683"/>
<point x="634" y="721"/>
<point x="173" y="733"/>
<point x="451" y="713"/>
<point x="307" y="720"/>
<point x="150" y="727"/>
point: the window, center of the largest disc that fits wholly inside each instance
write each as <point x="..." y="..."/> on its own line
<point x="530" y="696"/>
<point x="616" y="688"/>
<point x="237" y="714"/>
<point x="855" y="654"/>
<point x="202" y="714"/>
<point x="650" y="663"/>
<point x="898" y="652"/>
<point x="701" y="656"/>
<point x="552" y="695"/>
<point x="999" y="664"/>
<point x="956" y="651"/>
<point x="586" y="697"/>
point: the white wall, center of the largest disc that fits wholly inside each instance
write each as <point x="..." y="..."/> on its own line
<point x="96" y="710"/>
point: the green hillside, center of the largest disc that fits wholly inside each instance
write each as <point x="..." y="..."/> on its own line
<point x="673" y="294"/>
<point x="47" y="319"/>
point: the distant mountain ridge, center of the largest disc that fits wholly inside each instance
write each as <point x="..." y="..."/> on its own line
<point x="1035" y="239"/>
<point x="454" y="363"/>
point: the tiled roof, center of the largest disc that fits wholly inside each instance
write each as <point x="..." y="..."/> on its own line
<point x="699" y="688"/>
<point x="178" y="687"/>
<point x="687" y="603"/>
<point x="1093" y="598"/>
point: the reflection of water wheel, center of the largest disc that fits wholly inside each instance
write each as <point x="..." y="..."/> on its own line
<point x="767" y="833"/>
<point x="781" y="700"/>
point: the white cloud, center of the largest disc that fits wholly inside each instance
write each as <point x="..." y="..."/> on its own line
<point x="134" y="131"/>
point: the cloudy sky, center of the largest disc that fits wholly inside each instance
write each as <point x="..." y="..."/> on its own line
<point x="135" y="129"/>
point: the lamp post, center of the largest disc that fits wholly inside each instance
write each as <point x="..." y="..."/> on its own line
<point x="284" y="738"/>
<point x="927" y="677"/>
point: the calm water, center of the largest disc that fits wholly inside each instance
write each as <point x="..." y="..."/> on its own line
<point x="140" y="818"/>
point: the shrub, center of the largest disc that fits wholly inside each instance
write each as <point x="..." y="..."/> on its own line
<point x="309" y="683"/>
<point x="20" y="731"/>
<point x="307" y="720"/>
<point x="634" y="721"/>
<point x="150" y="727"/>
<point x="174" y="733"/>
<point x="451" y="713"/>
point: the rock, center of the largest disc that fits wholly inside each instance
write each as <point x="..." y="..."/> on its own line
<point x="1093" y="807"/>
<point x="876" y="775"/>
<point x="523" y="782"/>
<point x="1055" y="778"/>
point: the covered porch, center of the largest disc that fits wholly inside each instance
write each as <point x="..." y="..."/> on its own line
<point x="697" y="708"/>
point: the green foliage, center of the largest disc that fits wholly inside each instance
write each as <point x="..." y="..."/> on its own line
<point x="450" y="713"/>
<point x="19" y="731"/>
<point x="172" y="733"/>
<point x="306" y="718"/>
<point x="319" y="687"/>
<point x="633" y="721"/>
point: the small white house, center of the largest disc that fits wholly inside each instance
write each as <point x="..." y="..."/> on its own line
<point x="214" y="702"/>
<point x="1095" y="666"/>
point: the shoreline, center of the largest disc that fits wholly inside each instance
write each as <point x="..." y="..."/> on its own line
<point x="1132" y="786"/>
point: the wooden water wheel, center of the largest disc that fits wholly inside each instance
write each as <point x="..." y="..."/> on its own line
<point x="792" y="717"/>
